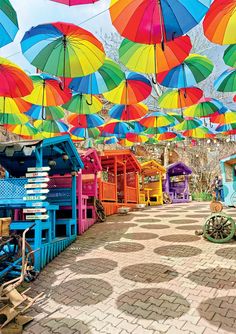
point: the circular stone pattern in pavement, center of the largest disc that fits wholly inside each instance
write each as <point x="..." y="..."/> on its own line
<point x="180" y="238"/>
<point x="183" y="221"/>
<point x="65" y="325"/>
<point x="147" y="220"/>
<point x="218" y="278"/>
<point x="140" y="236"/>
<point x="227" y="253"/>
<point x="189" y="227"/>
<point x="167" y="216"/>
<point x="199" y="215"/>
<point x="155" y="304"/>
<point x="178" y="251"/>
<point x="94" y="266"/>
<point x="124" y="247"/>
<point x="220" y="312"/>
<point x="83" y="291"/>
<point x="154" y="226"/>
<point x="148" y="273"/>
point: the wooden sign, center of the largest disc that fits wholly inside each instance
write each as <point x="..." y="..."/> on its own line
<point x="39" y="179"/>
<point x="35" y="210"/>
<point x="36" y="185"/>
<point x="35" y="217"/>
<point x="38" y="169"/>
<point x="37" y="191"/>
<point x="37" y="204"/>
<point x="34" y="198"/>
<point x="39" y="174"/>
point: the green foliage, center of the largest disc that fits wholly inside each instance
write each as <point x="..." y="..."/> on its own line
<point x="201" y="196"/>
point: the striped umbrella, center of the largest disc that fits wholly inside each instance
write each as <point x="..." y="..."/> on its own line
<point x="85" y="121"/>
<point x="8" y="23"/>
<point x="26" y="130"/>
<point x="157" y="119"/>
<point x="155" y="130"/>
<point x="85" y="133"/>
<point x="128" y="112"/>
<point x="48" y="113"/>
<point x="204" y="108"/>
<point x="228" y="128"/>
<point x="230" y="56"/>
<point x="226" y="82"/>
<point x="135" y="138"/>
<point x="117" y="128"/>
<point x="188" y="124"/>
<point x="200" y="133"/>
<point x="51" y="127"/>
<point x="166" y="136"/>
<point x="227" y="117"/>
<point x="11" y="105"/>
<point x="79" y="104"/>
<point x="13" y="118"/>
<point x="180" y="98"/>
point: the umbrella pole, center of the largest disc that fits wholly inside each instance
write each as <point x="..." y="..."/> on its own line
<point x="91" y="88"/>
<point x="43" y="107"/>
<point x="64" y="61"/>
<point x="155" y="65"/>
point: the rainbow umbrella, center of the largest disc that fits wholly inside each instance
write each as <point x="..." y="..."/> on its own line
<point x="85" y="133"/>
<point x="85" y="121"/>
<point x="136" y="127"/>
<point x="14" y="81"/>
<point x="110" y="141"/>
<point x="188" y="124"/>
<point x="51" y="127"/>
<point x="166" y="136"/>
<point x="200" y="133"/>
<point x="226" y="117"/>
<point x="75" y="2"/>
<point x="193" y="70"/>
<point x="14" y="118"/>
<point x="49" y="113"/>
<point x="128" y="112"/>
<point x="79" y="104"/>
<point x="8" y="23"/>
<point x="152" y="22"/>
<point x="126" y="143"/>
<point x="63" y="49"/>
<point x="204" y="108"/>
<point x="154" y="58"/>
<point x="230" y="56"/>
<point x="155" y="130"/>
<point x="180" y="98"/>
<point x="229" y="128"/>
<point x="135" y="138"/>
<point x="116" y="127"/>
<point x="157" y="119"/>
<point x="106" y="78"/>
<point x="135" y="88"/>
<point x="226" y="82"/>
<point x="179" y="117"/>
<point x="12" y="106"/>
<point x="26" y="130"/>
<point x="220" y="22"/>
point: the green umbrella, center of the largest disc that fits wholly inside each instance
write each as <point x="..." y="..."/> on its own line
<point x="51" y="127"/>
<point x="13" y="119"/>
<point x="188" y="124"/>
<point x="79" y="104"/>
<point x="47" y="113"/>
<point x="8" y="23"/>
<point x="230" y="56"/>
<point x="226" y="81"/>
<point x="204" y="108"/>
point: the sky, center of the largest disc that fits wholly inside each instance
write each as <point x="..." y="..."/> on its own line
<point x="33" y="12"/>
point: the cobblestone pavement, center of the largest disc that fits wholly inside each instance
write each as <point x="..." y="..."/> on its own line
<point x="143" y="273"/>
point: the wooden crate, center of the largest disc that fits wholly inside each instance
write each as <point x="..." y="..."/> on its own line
<point x="5" y="226"/>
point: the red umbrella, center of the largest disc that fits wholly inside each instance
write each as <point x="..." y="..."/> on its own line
<point x="75" y="2"/>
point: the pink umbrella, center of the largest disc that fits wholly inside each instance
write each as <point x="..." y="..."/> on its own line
<point x="75" y="2"/>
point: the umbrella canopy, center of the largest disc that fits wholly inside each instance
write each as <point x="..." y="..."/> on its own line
<point x="135" y="138"/>
<point x="63" y="49"/>
<point x="149" y="59"/>
<point x="51" y="127"/>
<point x="188" y="124"/>
<point x="47" y="91"/>
<point x="117" y="128"/>
<point x="226" y="81"/>
<point x="152" y="22"/>
<point x="136" y="127"/>
<point x="179" y="117"/>
<point x="8" y="23"/>
<point x="229" y="128"/>
<point x="75" y="2"/>
<point x="220" y="22"/>
<point x="135" y="88"/>
<point x="204" y="108"/>
<point x="227" y="117"/>
<point x="79" y="104"/>
<point x="180" y="98"/>
<point x="155" y="130"/>
<point x="85" y="121"/>
<point x="193" y="70"/>
<point x="157" y="119"/>
<point x="26" y="130"/>
<point x="128" y="112"/>
<point x="126" y="143"/>
<point x="200" y="133"/>
<point x="11" y="106"/>
<point x="14" y="118"/>
<point x="110" y="141"/>
<point x="14" y="81"/>
<point x="230" y="56"/>
<point x="166" y="136"/>
<point x="49" y="113"/>
<point x="85" y="133"/>
<point x="106" y="78"/>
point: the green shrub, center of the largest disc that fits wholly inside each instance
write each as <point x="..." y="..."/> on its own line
<point x="201" y="196"/>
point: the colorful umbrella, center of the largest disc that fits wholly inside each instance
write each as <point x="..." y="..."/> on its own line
<point x="14" y="81"/>
<point x="15" y="118"/>
<point x="51" y="127"/>
<point x="230" y="56"/>
<point x="147" y="58"/>
<point x="200" y="133"/>
<point x="226" y="82"/>
<point x="79" y="104"/>
<point x="110" y="141"/>
<point x="26" y="130"/>
<point x="220" y="22"/>
<point x="8" y="23"/>
<point x="135" y="88"/>
<point x="227" y="117"/>
<point x="49" y="113"/>
<point x="106" y="78"/>
<point x="11" y="106"/>
<point x="85" y="121"/>
<point x="116" y="127"/>
<point x="63" y="49"/>
<point x="47" y="92"/>
<point x="128" y="112"/>
<point x="179" y="117"/>
<point x="85" y="133"/>
<point x="193" y="70"/>
<point x="204" y="108"/>
<point x="152" y="22"/>
<point x="135" y="138"/>
<point x="188" y="124"/>
<point x="166" y="136"/>
<point x="180" y="98"/>
<point x="126" y="143"/>
<point x="136" y="127"/>
<point x="157" y="119"/>
<point x="75" y="2"/>
<point x="229" y="128"/>
<point x="155" y="130"/>
<point x="234" y="98"/>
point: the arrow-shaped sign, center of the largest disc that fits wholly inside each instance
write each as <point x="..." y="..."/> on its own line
<point x="36" y="185"/>
<point x="34" y="198"/>
<point x="38" y="169"/>
<point x="39" y="179"/>
<point x="37" y="204"/>
<point x="37" y="191"/>
<point x="40" y="174"/>
<point x="35" y="210"/>
<point x="35" y="217"/>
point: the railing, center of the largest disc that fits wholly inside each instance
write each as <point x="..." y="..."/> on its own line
<point x="12" y="190"/>
<point x="107" y="191"/>
<point x="131" y="195"/>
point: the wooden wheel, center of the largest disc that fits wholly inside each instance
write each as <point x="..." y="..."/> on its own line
<point x="166" y="199"/>
<point x="216" y="206"/>
<point x="219" y="228"/>
<point x="100" y="211"/>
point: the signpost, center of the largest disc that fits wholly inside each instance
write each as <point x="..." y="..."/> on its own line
<point x="34" y="198"/>
<point x="37" y="191"/>
<point x="35" y="217"/>
<point x="39" y="179"/>
<point x="38" y="169"/>
<point x="37" y="174"/>
<point x="35" y="210"/>
<point x="36" y="185"/>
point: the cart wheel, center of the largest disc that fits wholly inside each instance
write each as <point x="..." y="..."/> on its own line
<point x="219" y="228"/>
<point x="166" y="199"/>
<point x="216" y="206"/>
<point x="100" y="211"/>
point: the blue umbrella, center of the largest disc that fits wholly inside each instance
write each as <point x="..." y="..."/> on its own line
<point x="8" y="23"/>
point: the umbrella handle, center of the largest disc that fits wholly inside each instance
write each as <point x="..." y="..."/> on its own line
<point x="90" y="103"/>
<point x="154" y="81"/>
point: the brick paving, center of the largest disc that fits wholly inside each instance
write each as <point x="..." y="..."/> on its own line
<point x="143" y="273"/>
